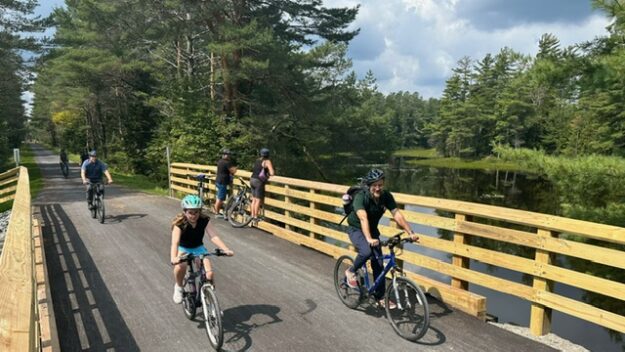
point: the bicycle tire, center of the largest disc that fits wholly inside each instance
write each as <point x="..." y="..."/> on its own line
<point x="189" y="306"/>
<point x="411" y="318"/>
<point x="351" y="297"/>
<point x="100" y="210"/>
<point x="94" y="207"/>
<point x="212" y="317"/>
<point x="238" y="215"/>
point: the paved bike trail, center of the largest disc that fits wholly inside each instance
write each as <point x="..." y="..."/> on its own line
<point x="112" y="286"/>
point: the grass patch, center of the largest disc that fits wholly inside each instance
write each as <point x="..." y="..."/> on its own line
<point x="27" y="157"/>
<point x="488" y="163"/>
<point x="417" y="153"/>
<point x="139" y="182"/>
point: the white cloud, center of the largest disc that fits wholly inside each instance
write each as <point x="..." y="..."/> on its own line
<point x="412" y="45"/>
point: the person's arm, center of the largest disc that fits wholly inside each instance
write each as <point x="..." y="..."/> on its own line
<point x="214" y="237"/>
<point x="269" y="166"/>
<point x="83" y="175"/>
<point x="175" y="241"/>
<point x="399" y="219"/>
<point x="364" y="224"/>
<point x="108" y="176"/>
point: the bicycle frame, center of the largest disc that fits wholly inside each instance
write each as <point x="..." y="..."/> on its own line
<point x="378" y="281"/>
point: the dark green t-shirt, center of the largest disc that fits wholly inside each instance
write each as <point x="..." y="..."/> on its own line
<point x="375" y="210"/>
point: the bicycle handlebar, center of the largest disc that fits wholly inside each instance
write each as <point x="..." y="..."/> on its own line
<point x="395" y="240"/>
<point x="190" y="256"/>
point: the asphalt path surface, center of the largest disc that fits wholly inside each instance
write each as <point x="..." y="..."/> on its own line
<point x="112" y="286"/>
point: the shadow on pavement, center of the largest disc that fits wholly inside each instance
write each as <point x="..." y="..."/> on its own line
<point x="238" y="326"/>
<point x="87" y="318"/>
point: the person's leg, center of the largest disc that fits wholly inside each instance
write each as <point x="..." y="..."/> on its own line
<point x="89" y="194"/>
<point x="362" y="247"/>
<point x="208" y="268"/>
<point x="261" y="197"/>
<point x="254" y="185"/>
<point x="220" y="197"/>
<point x="179" y="272"/>
<point x="377" y="266"/>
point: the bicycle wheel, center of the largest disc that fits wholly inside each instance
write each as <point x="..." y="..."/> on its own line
<point x="351" y="297"/>
<point x="94" y="207"/>
<point x="189" y="306"/>
<point x="212" y="317"/>
<point x="100" y="210"/>
<point x="238" y="214"/>
<point x="411" y="318"/>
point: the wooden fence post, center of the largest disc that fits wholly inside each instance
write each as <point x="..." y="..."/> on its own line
<point x="540" y="316"/>
<point x="463" y="262"/>
<point x="287" y="200"/>
<point x="313" y="206"/>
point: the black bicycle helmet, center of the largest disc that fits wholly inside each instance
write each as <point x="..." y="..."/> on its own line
<point x="226" y="151"/>
<point x="93" y="153"/>
<point x="264" y="152"/>
<point x="373" y="176"/>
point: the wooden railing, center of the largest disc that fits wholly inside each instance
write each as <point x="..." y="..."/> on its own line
<point x="8" y="184"/>
<point x="24" y="320"/>
<point x="304" y="212"/>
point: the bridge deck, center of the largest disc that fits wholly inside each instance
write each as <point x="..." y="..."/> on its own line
<point x="111" y="286"/>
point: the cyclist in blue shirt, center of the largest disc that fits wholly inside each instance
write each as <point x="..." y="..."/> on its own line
<point x="369" y="206"/>
<point x="91" y="172"/>
<point x="187" y="236"/>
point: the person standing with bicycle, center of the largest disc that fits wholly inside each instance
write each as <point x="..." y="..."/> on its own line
<point x="225" y="171"/>
<point x="91" y="173"/>
<point x="187" y="236"/>
<point x="369" y="206"/>
<point x="261" y="171"/>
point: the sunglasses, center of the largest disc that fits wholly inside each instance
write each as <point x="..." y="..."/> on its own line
<point x="192" y="212"/>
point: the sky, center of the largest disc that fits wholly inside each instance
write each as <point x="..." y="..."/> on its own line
<point x="413" y="45"/>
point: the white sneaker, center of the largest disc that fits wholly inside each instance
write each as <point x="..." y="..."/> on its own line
<point x="177" y="294"/>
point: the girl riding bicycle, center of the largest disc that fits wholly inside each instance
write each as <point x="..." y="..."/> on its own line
<point x="369" y="206"/>
<point x="188" y="230"/>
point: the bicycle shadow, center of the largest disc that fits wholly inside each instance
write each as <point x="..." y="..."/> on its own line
<point x="116" y="219"/>
<point x="239" y="322"/>
<point x="434" y="336"/>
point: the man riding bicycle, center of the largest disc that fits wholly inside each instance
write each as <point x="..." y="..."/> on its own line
<point x="63" y="156"/>
<point x="91" y="173"/>
<point x="369" y="206"/>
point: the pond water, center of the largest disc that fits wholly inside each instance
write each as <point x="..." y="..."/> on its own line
<point x="500" y="188"/>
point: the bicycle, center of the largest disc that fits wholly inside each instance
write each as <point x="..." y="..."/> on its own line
<point x="196" y="277"/>
<point x="64" y="168"/>
<point x="237" y="207"/>
<point x="410" y="319"/>
<point x="97" y="204"/>
<point x="200" y="190"/>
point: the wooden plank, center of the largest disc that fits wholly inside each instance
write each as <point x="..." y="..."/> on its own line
<point x="596" y="254"/>
<point x="7" y="198"/>
<point x="184" y="189"/>
<point x="17" y="313"/>
<point x="554" y="223"/>
<point x="8" y="190"/>
<point x="10" y="173"/>
<point x="313" y="209"/>
<point x="581" y="310"/>
<point x="304" y="225"/>
<point x="43" y="314"/>
<point x="316" y="214"/>
<point x="430" y="220"/>
<point x="317" y="198"/>
<point x="8" y="181"/>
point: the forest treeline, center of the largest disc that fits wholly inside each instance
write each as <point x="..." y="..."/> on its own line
<point x="132" y="77"/>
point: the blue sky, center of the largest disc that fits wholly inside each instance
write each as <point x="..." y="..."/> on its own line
<point x="412" y="45"/>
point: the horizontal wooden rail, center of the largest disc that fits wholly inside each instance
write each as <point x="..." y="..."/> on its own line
<point x="8" y="184"/>
<point x="304" y="212"/>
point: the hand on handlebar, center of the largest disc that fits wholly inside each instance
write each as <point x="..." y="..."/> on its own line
<point x="373" y="242"/>
<point x="414" y="237"/>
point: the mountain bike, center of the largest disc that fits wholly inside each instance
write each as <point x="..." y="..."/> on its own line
<point x="97" y="204"/>
<point x="64" y="168"/>
<point x="411" y="318"/>
<point x="195" y="278"/>
<point x="200" y="190"/>
<point x="238" y="207"/>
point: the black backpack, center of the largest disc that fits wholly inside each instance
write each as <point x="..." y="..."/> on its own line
<point x="348" y="199"/>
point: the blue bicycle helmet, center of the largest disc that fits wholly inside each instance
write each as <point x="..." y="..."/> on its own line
<point x="373" y="176"/>
<point x="264" y="152"/>
<point x="191" y="201"/>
